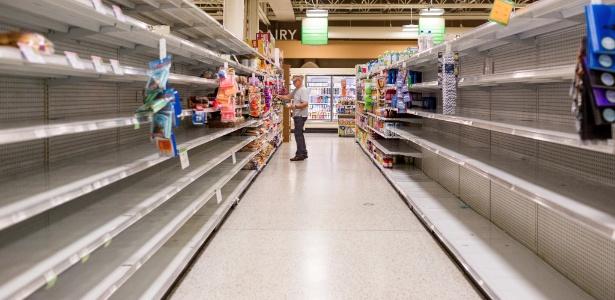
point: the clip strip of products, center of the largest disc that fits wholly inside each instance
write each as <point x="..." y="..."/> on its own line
<point x="593" y="89"/>
<point x="162" y="106"/>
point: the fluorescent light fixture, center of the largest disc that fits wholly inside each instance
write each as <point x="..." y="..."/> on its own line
<point x="410" y="28"/>
<point x="432" y="11"/>
<point x="317" y="13"/>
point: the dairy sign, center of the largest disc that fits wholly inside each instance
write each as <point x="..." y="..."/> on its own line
<point x="285" y="34"/>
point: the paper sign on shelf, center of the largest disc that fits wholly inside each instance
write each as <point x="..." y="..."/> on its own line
<point x="219" y="195"/>
<point x="98" y="6"/>
<point x="234" y="157"/>
<point x="183" y="158"/>
<point x="501" y="11"/>
<point x="74" y="60"/>
<point x="119" y="14"/>
<point x="115" y="65"/>
<point x="98" y="64"/>
<point x="162" y="48"/>
<point x="31" y="55"/>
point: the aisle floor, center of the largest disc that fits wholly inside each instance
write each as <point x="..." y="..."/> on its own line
<point x="330" y="227"/>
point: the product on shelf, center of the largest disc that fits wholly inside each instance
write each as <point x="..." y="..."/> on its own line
<point x="37" y="42"/>
<point x="448" y="75"/>
<point x="593" y="91"/>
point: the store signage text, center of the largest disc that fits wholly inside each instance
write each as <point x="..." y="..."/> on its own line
<point x="285" y="34"/>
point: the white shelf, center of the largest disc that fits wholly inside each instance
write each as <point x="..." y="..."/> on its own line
<point x="21" y="131"/>
<point x="109" y="267"/>
<point x="534" y="76"/>
<point x="591" y="205"/>
<point x="58" y="66"/>
<point x="79" y="19"/>
<point x="429" y="85"/>
<point x="188" y="21"/>
<point x="90" y="223"/>
<point x="537" y="130"/>
<point x="381" y="134"/>
<point x="157" y="275"/>
<point x="401" y="120"/>
<point x="478" y="247"/>
<point x="26" y="196"/>
<point x="396" y="147"/>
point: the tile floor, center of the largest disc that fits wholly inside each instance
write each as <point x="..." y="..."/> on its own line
<point x="330" y="227"/>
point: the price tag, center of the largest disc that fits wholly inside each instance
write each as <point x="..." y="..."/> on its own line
<point x="234" y="157"/>
<point x="119" y="14"/>
<point x="74" y="60"/>
<point x="98" y="66"/>
<point x="162" y="48"/>
<point x="98" y="6"/>
<point x="404" y="64"/>
<point x="115" y="65"/>
<point x="226" y="66"/>
<point x="30" y="55"/>
<point x="50" y="279"/>
<point x="183" y="158"/>
<point x="219" y="195"/>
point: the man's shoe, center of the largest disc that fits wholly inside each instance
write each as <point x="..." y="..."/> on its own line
<point x="297" y="158"/>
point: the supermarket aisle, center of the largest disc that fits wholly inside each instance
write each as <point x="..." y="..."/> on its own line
<point x="330" y="227"/>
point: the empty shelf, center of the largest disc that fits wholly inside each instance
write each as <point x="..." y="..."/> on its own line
<point x="563" y="134"/>
<point x="58" y="66"/>
<point x="25" y="196"/>
<point x="380" y="133"/>
<point x="157" y="275"/>
<point x="591" y="206"/>
<point x="21" y="131"/>
<point x="109" y="267"/>
<point x="77" y="229"/>
<point x="407" y="120"/>
<point x="396" y="147"/>
<point x="79" y="19"/>
<point x="501" y="266"/>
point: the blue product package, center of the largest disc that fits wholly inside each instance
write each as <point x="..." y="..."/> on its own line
<point x="600" y="19"/>
<point x="600" y="37"/>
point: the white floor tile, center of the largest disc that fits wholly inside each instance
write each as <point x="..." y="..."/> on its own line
<point x="330" y="227"/>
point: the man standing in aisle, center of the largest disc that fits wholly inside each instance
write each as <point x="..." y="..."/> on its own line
<point x="299" y="107"/>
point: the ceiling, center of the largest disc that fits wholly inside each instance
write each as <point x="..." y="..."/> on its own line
<point x="374" y="10"/>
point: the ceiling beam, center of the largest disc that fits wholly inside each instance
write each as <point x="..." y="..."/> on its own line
<point x="350" y="6"/>
<point x="396" y="17"/>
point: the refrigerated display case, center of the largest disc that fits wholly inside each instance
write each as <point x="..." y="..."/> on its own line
<point x="320" y="97"/>
<point x="344" y="87"/>
<point x="325" y="93"/>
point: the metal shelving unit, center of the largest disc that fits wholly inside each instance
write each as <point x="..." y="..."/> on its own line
<point x="111" y="266"/>
<point x="478" y="244"/>
<point x="590" y="205"/>
<point x="85" y="198"/>
<point x="191" y="23"/>
<point x="26" y="196"/>
<point x="87" y="228"/>
<point x="79" y="19"/>
<point x="157" y="275"/>
<point x="511" y="153"/>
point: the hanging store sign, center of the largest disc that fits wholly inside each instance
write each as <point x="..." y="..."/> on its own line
<point x="314" y="31"/>
<point x="434" y="27"/>
<point x="501" y="11"/>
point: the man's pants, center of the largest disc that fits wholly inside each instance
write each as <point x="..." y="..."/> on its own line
<point x="299" y="138"/>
